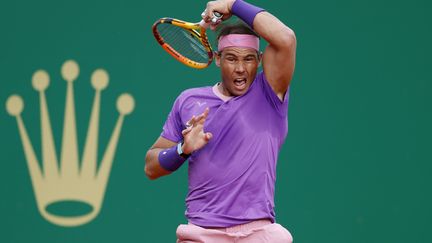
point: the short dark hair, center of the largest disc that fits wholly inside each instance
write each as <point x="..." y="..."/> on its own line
<point x="236" y="28"/>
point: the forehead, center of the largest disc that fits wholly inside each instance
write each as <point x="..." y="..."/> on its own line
<point x="239" y="51"/>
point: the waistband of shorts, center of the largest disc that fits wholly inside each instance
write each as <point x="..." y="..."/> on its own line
<point x="244" y="227"/>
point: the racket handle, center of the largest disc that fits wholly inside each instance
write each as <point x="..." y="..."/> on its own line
<point x="216" y="17"/>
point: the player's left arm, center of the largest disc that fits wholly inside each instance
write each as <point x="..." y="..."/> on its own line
<point x="279" y="56"/>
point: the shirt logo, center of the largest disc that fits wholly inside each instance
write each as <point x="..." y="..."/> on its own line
<point x="201" y="103"/>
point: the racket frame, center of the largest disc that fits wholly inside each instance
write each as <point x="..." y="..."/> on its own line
<point x="196" y="29"/>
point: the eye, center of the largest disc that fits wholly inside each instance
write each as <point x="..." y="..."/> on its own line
<point x="230" y="59"/>
<point x="250" y="59"/>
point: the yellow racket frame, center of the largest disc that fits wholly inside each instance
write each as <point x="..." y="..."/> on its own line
<point x="195" y="29"/>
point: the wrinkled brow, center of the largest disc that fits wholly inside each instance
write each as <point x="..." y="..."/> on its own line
<point x="237" y="55"/>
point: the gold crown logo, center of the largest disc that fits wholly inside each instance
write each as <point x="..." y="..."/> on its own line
<point x="69" y="181"/>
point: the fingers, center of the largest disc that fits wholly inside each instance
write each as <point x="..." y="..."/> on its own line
<point x="191" y="122"/>
<point x="211" y="18"/>
<point x="204" y="15"/>
<point x="202" y="117"/>
<point x="198" y="119"/>
<point x="207" y="15"/>
<point x="186" y="131"/>
<point x="206" y="112"/>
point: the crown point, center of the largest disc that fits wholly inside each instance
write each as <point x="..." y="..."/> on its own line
<point x="99" y="79"/>
<point x="40" y="80"/>
<point x="14" y="105"/>
<point x="70" y="70"/>
<point x="125" y="104"/>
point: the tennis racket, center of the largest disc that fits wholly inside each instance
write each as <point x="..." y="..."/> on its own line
<point x="186" y="42"/>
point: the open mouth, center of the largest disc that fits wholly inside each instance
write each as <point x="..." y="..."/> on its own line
<point x="240" y="82"/>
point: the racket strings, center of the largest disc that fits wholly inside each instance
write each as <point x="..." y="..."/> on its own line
<point x="184" y="42"/>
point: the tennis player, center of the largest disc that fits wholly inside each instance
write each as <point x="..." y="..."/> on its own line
<point x="231" y="133"/>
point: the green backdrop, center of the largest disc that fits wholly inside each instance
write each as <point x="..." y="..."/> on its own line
<point x="356" y="166"/>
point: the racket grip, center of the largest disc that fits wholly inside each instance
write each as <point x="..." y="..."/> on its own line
<point x="203" y="24"/>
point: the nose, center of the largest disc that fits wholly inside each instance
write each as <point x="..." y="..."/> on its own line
<point x="239" y="68"/>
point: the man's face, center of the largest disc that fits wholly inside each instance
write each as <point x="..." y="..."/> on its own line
<point x="238" y="68"/>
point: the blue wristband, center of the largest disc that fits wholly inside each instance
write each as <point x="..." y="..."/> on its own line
<point x="245" y="11"/>
<point x="170" y="159"/>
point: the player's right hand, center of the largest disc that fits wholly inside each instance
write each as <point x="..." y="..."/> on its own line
<point x="221" y="6"/>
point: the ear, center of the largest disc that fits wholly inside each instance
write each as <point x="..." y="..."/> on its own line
<point x="260" y="56"/>
<point x="217" y="58"/>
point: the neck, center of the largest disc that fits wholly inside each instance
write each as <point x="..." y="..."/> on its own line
<point x="219" y="91"/>
<point x="223" y="90"/>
